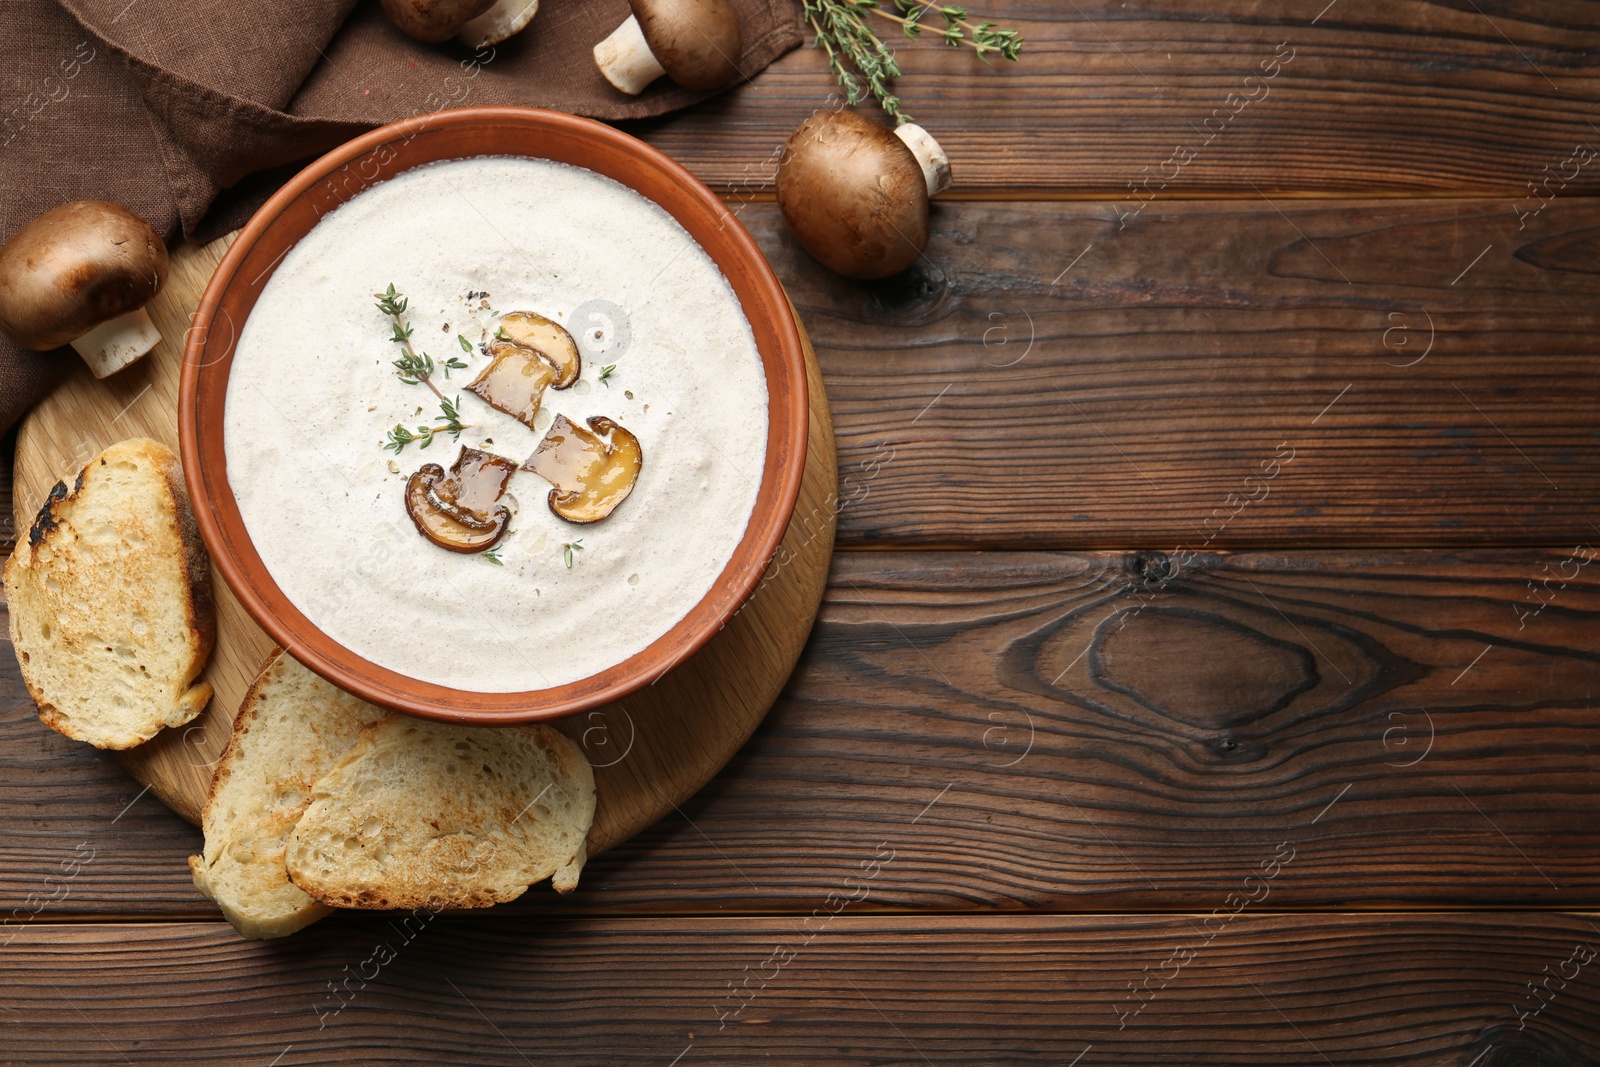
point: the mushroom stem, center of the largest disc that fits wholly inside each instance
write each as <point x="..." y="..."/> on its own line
<point x="935" y="164"/>
<point x="626" y="60"/>
<point x="117" y="342"/>
<point x="505" y="19"/>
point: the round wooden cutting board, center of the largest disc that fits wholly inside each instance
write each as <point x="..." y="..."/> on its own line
<point x="650" y="752"/>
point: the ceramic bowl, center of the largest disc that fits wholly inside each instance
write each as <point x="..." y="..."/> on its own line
<point x="383" y="153"/>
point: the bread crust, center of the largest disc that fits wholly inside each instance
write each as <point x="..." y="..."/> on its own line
<point x="199" y="597"/>
<point x="202" y="601"/>
<point x="224" y="761"/>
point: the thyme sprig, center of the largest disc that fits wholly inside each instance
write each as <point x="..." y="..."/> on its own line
<point x="856" y="53"/>
<point x="412" y="367"/>
<point x="986" y="38"/>
<point x="568" y="548"/>
<point x="493" y="556"/>
<point x="605" y="374"/>
<point x="449" y="411"/>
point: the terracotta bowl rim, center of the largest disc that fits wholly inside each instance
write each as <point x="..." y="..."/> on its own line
<point x="204" y="462"/>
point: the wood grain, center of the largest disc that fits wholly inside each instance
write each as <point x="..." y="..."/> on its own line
<point x="650" y="751"/>
<point x="1391" y="97"/>
<point x="1073" y="733"/>
<point x="1419" y="990"/>
<point x="1046" y="378"/>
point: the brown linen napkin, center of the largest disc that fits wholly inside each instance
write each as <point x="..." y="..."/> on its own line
<point x="162" y="104"/>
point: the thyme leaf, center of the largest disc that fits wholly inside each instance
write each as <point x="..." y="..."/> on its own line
<point x="423" y="436"/>
<point x="412" y="367"/>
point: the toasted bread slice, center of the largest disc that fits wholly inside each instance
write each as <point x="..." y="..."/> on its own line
<point x="291" y="729"/>
<point x="110" y="598"/>
<point x="423" y="814"/>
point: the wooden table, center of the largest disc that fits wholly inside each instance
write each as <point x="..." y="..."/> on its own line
<point x="1209" y="667"/>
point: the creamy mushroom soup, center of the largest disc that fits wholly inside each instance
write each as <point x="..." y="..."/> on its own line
<point x="314" y="400"/>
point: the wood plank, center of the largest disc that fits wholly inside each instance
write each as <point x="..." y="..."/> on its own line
<point x="1065" y="732"/>
<point x="1375" y="97"/>
<point x="1047" y="378"/>
<point x="1423" y="990"/>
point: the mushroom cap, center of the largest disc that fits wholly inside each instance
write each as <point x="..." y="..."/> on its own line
<point x="697" y="42"/>
<point x="854" y="195"/>
<point x="74" y="267"/>
<point x="446" y="526"/>
<point x="593" y="470"/>
<point x="548" y="338"/>
<point x="432" y="21"/>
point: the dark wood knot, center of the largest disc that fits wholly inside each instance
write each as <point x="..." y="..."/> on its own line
<point x="1151" y="568"/>
<point x="1529" y="1047"/>
<point x="914" y="297"/>
<point x="1198" y="667"/>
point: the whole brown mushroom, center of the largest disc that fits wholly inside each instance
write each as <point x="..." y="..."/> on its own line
<point x="81" y="274"/>
<point x="856" y="195"/>
<point x="432" y="21"/>
<point x="696" y="43"/>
